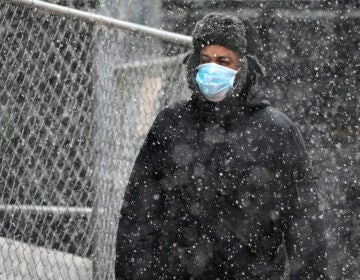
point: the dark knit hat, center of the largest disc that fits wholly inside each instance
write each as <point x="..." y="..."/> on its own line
<point x="220" y="29"/>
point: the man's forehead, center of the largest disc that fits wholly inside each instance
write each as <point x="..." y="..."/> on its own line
<point x="216" y="50"/>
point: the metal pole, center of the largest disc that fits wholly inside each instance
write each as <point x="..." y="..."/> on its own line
<point x="46" y="209"/>
<point x="108" y="21"/>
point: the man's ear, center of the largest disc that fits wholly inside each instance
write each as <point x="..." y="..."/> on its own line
<point x="191" y="60"/>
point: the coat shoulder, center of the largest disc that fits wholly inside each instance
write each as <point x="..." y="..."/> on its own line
<point x="281" y="125"/>
<point x="278" y="119"/>
<point x="168" y="118"/>
<point x="173" y="111"/>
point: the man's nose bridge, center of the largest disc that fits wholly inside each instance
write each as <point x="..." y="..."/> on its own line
<point x="215" y="60"/>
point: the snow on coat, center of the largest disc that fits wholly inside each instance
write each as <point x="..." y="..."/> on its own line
<point x="221" y="191"/>
<point x="213" y="196"/>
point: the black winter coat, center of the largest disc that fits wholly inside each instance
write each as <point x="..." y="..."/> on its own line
<point x="221" y="191"/>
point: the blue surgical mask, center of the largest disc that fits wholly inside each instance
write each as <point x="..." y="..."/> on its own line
<point x="215" y="81"/>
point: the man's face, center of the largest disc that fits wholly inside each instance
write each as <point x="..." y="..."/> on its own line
<point x="220" y="55"/>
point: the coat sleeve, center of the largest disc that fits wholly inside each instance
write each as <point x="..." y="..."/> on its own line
<point x="140" y="212"/>
<point x="304" y="227"/>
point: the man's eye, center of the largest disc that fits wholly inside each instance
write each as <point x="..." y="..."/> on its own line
<point x="224" y="62"/>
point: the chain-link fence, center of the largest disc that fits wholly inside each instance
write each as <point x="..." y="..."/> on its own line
<point x="76" y="100"/>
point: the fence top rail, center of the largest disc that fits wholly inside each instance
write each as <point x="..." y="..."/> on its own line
<point x="104" y="20"/>
<point x="46" y="209"/>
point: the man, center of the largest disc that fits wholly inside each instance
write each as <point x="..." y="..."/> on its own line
<point x="222" y="187"/>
